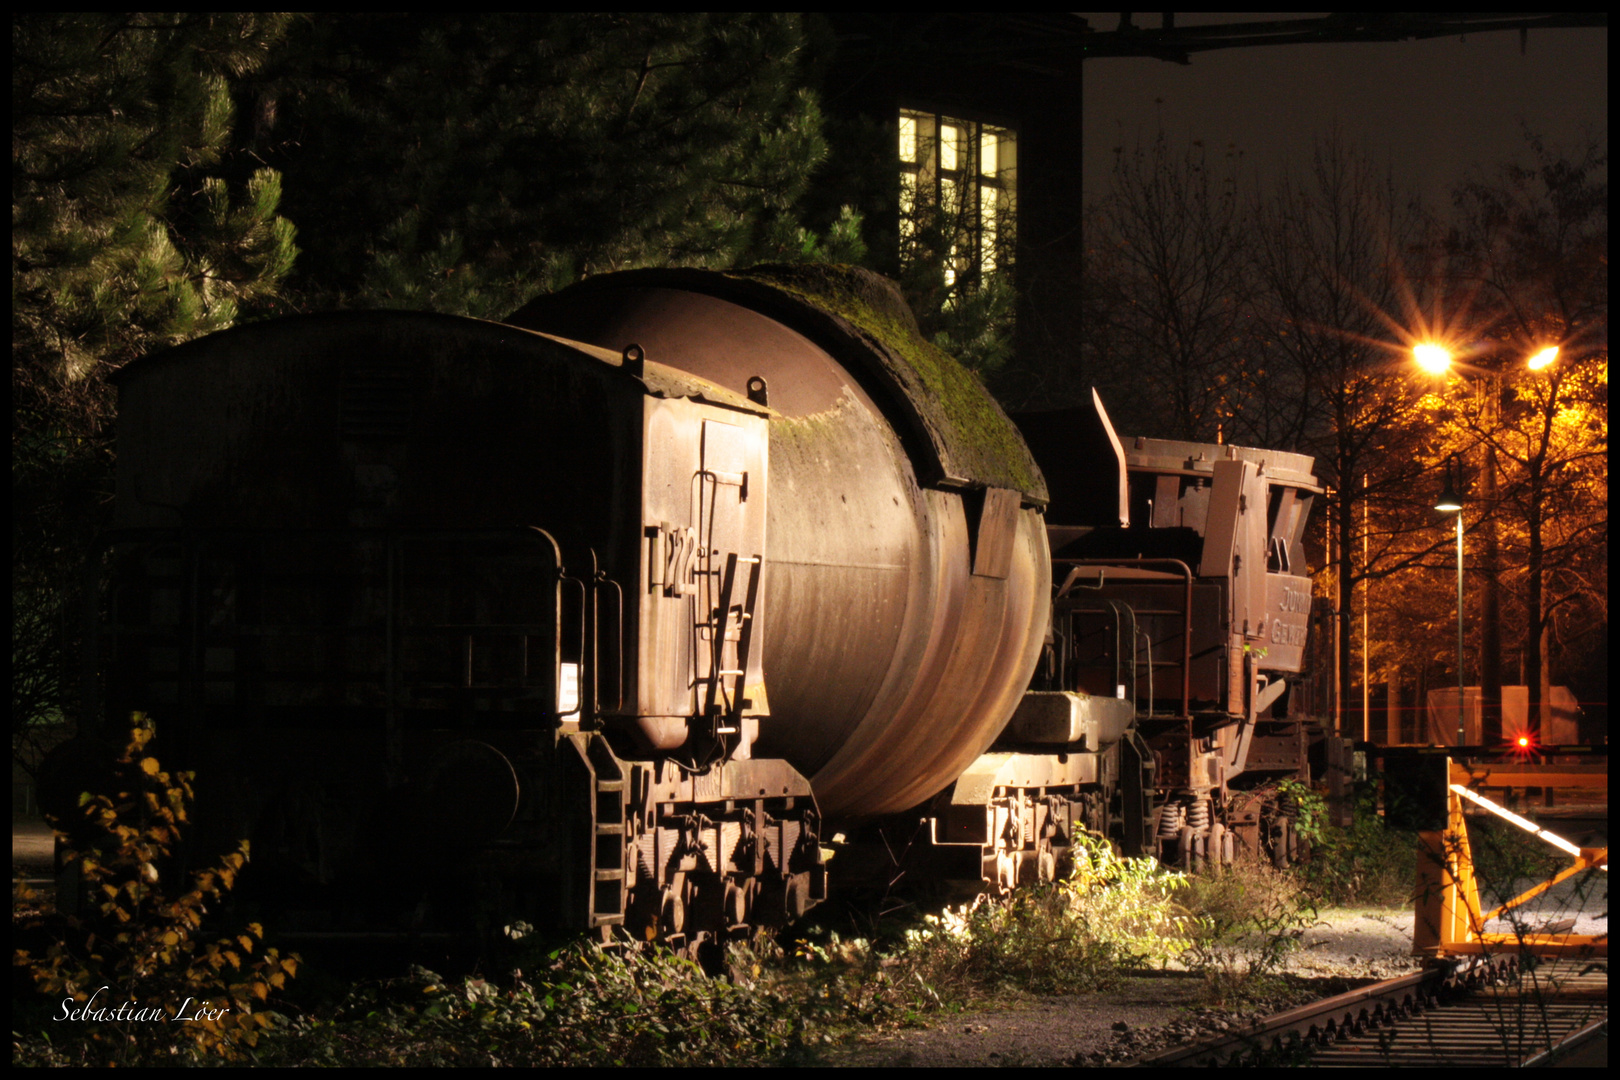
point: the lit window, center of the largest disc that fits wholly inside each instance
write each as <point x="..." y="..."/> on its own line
<point x="953" y="214"/>
<point x="908" y="140"/>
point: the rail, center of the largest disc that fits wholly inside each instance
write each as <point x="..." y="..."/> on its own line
<point x="1483" y="1014"/>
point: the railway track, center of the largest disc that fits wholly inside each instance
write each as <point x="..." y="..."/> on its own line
<point x="1486" y="1014"/>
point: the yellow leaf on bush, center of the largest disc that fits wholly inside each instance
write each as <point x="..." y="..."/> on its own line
<point x="149" y="766"/>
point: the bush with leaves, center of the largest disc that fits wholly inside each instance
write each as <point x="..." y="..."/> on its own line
<point x="1364" y="864"/>
<point x="1249" y="918"/>
<point x="1110" y="914"/>
<point x="1309" y="810"/>
<point x="137" y="938"/>
<point x="584" y="1006"/>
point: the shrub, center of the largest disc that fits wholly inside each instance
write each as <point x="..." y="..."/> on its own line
<point x="1367" y="864"/>
<point x="1110" y="914"/>
<point x="1248" y="918"/>
<point x="588" y="1006"/>
<point x="134" y="941"/>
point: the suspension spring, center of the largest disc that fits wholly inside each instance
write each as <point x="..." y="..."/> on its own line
<point x="1170" y="818"/>
<point x="1198" y="814"/>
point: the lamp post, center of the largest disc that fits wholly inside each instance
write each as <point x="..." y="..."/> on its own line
<point x="1437" y="360"/>
<point x="1451" y="503"/>
<point x="1539" y="716"/>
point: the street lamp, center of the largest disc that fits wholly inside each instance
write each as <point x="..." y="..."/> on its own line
<point x="1543" y="358"/>
<point x="1438" y="361"/>
<point x="1450" y="502"/>
<point x="1434" y="359"/>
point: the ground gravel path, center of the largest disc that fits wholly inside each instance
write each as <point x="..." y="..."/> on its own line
<point x="1143" y="1014"/>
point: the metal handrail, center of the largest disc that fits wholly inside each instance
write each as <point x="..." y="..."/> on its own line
<point x="1186" y="635"/>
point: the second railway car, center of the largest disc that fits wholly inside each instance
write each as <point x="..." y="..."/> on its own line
<point x="597" y="616"/>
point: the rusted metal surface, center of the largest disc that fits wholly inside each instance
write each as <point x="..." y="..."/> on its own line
<point x="780" y="541"/>
<point x="1019" y="813"/>
<point x="1083" y="464"/>
<point x="904" y="620"/>
<point x="685" y="856"/>
<point x="329" y="590"/>
<point x="1188" y="594"/>
<point x="1062" y="718"/>
<point x="612" y="606"/>
<point x="732" y="327"/>
<point x="1140" y="576"/>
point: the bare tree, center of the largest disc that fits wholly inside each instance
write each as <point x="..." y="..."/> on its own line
<point x="1332" y="250"/>
<point x="1169" y="249"/>
<point x="1533" y="251"/>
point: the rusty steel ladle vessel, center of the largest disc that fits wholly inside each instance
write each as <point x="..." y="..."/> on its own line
<point x="906" y="561"/>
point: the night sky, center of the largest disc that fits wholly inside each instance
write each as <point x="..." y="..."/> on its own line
<point x="1432" y="110"/>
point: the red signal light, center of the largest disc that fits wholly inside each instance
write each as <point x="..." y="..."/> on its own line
<point x="1524" y="742"/>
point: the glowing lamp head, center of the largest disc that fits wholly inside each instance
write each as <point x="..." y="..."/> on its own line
<point x="1449" y="502"/>
<point x="1543" y="358"/>
<point x="1524" y="742"/>
<point x="1432" y="358"/>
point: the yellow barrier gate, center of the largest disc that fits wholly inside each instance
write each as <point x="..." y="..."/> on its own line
<point x="1449" y="920"/>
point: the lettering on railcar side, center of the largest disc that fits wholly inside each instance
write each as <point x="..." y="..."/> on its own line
<point x="1293" y="599"/>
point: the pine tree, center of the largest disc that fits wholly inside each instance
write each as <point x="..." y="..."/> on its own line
<point x="122" y="239"/>
<point x="464" y="163"/>
<point x="125" y="238"/>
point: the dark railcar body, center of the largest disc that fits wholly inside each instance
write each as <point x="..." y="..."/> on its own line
<point x="427" y="600"/>
<point x="589" y="618"/>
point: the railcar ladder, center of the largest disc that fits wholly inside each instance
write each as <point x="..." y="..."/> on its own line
<point x="726" y="707"/>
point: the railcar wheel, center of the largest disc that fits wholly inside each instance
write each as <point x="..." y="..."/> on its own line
<point x="1006" y="872"/>
<point x="736" y="905"/>
<point x="1281" y="843"/>
<point x="672" y="913"/>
